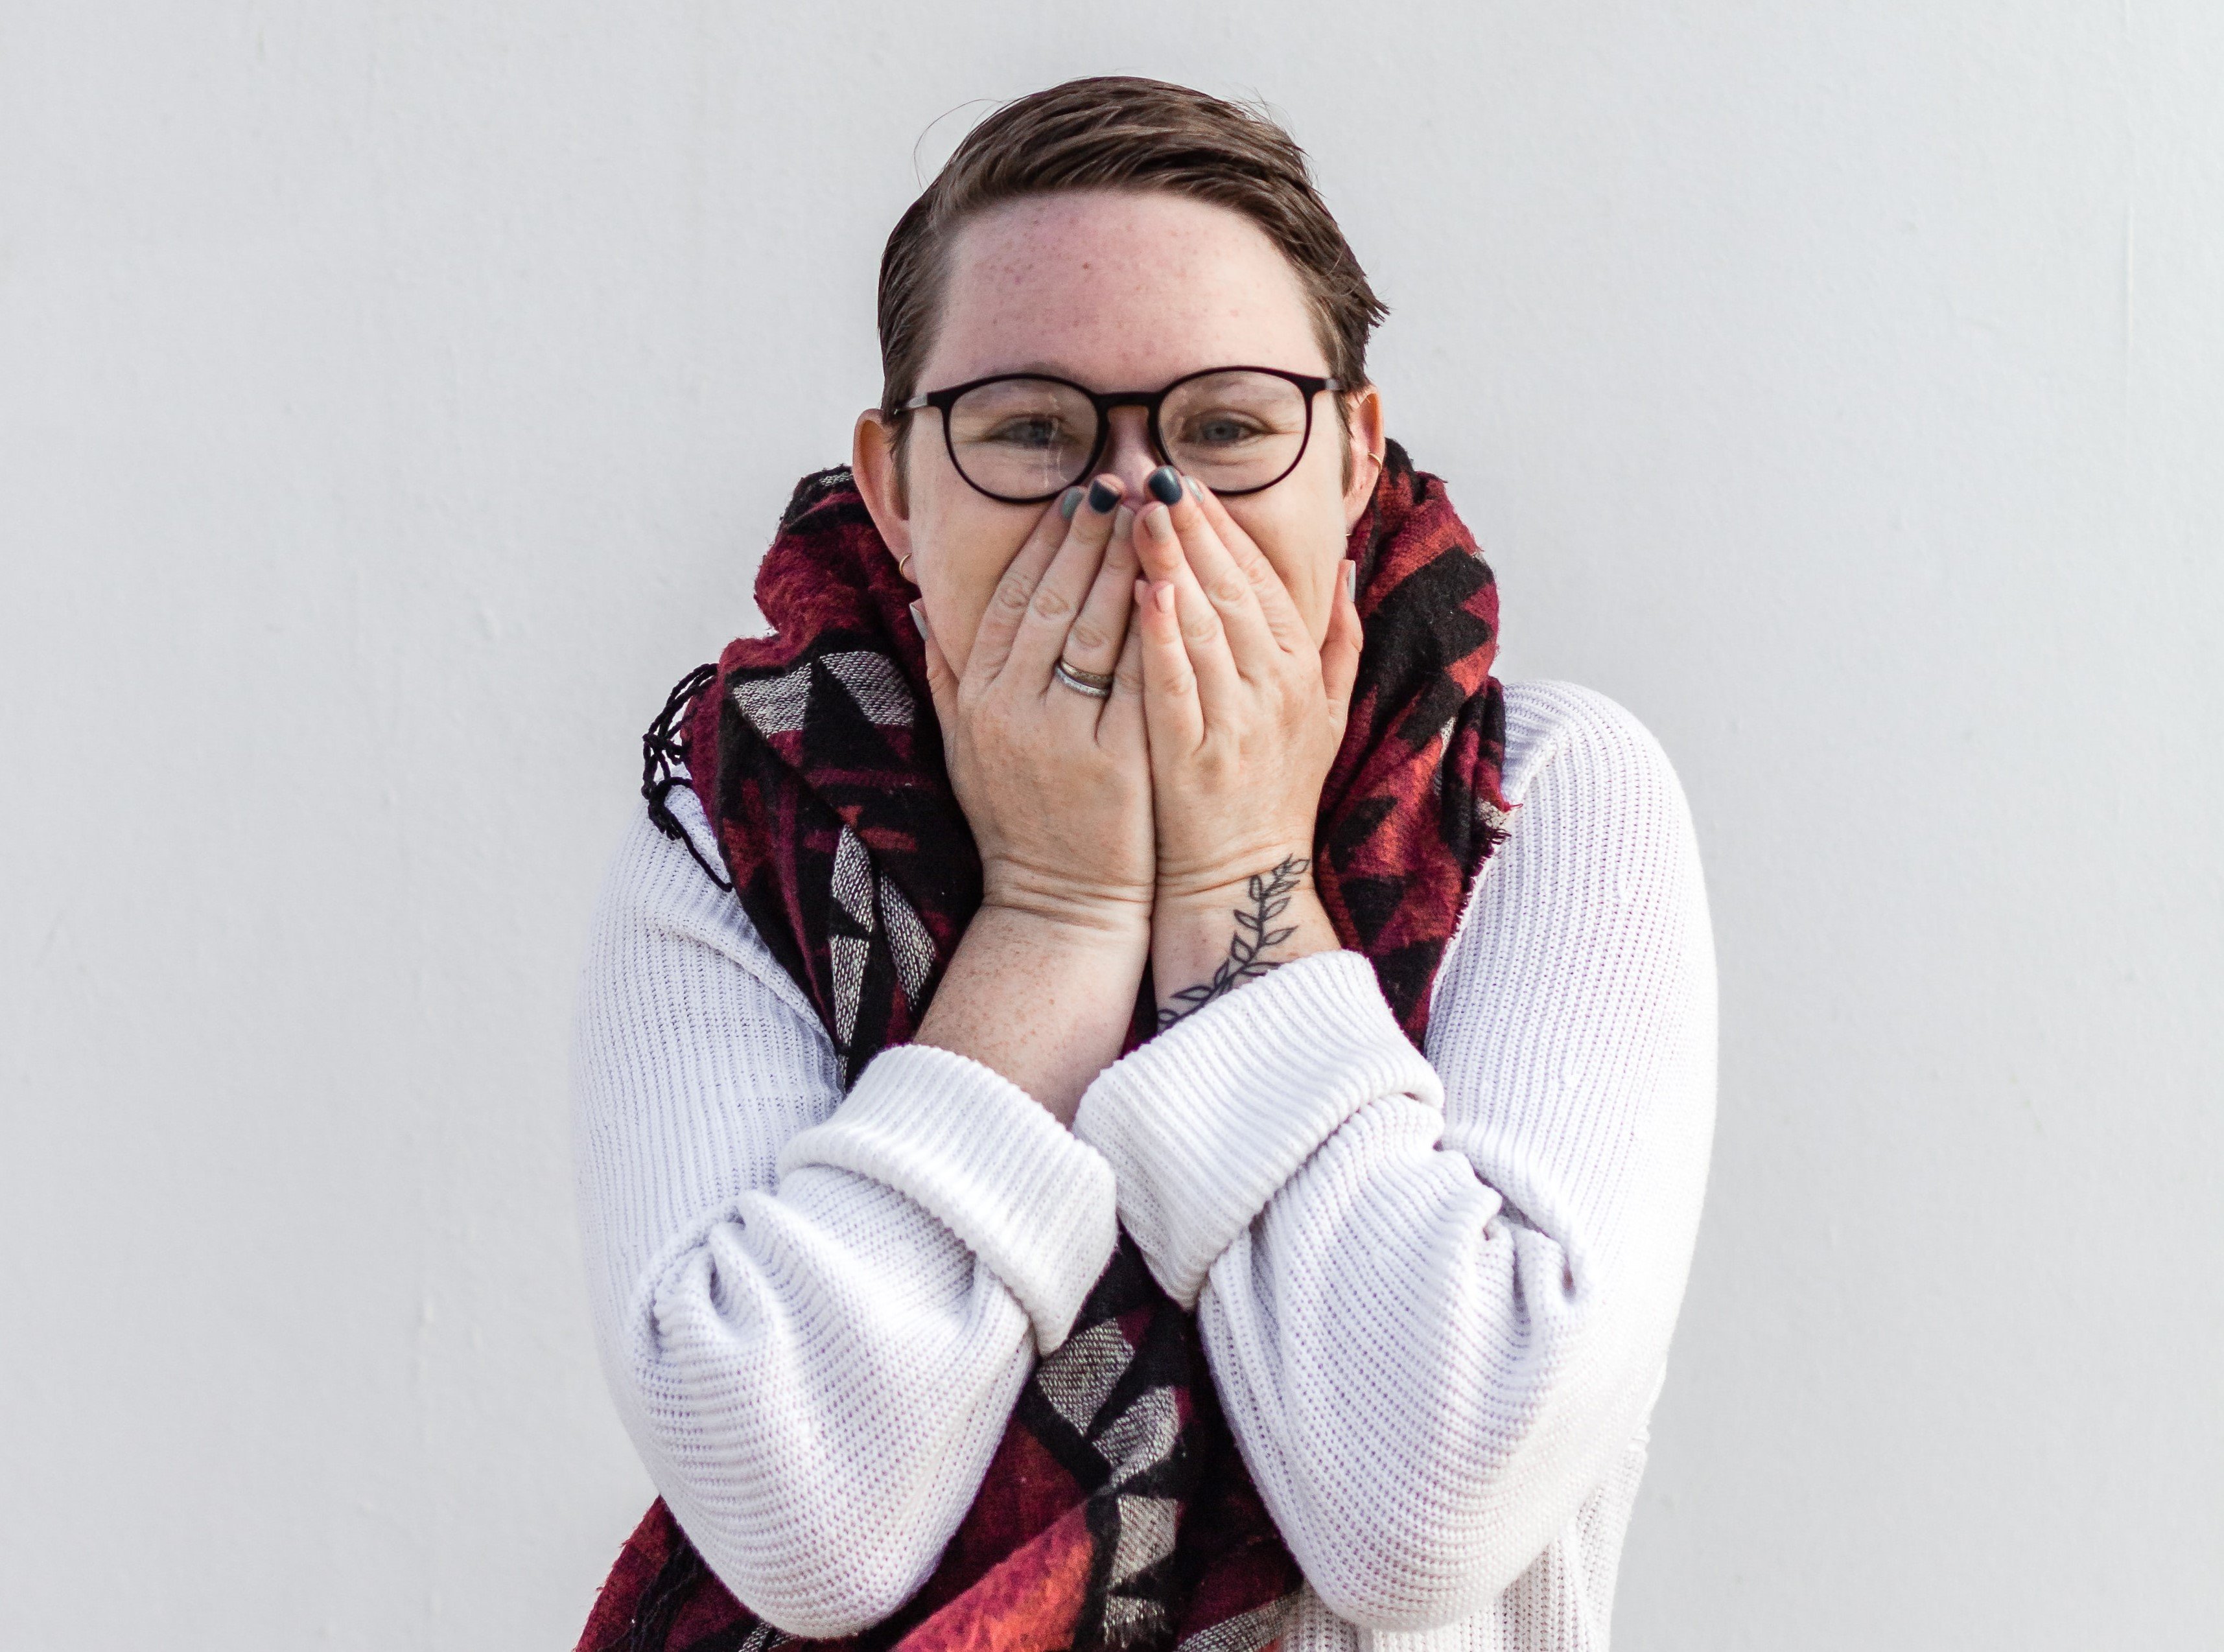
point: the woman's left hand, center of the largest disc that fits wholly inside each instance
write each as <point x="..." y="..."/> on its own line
<point x="1244" y="714"/>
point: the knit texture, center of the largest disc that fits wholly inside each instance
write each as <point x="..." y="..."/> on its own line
<point x="979" y="1153"/>
<point x="1440" y="1301"/>
<point x="848" y="852"/>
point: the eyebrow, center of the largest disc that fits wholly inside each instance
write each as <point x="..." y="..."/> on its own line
<point x="1045" y="369"/>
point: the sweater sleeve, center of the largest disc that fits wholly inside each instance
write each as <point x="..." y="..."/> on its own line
<point x="1437" y="1295"/>
<point x="814" y="1311"/>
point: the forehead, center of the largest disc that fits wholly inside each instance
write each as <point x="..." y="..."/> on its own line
<point x="1120" y="290"/>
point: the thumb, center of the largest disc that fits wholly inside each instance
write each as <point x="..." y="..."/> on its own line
<point x="1340" y="648"/>
<point x="941" y="681"/>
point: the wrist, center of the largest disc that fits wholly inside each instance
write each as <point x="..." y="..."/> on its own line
<point x="1236" y="881"/>
<point x="1040" y="998"/>
<point x="1208" y="941"/>
<point x="1070" y="918"/>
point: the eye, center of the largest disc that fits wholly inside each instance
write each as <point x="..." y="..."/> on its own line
<point x="1026" y="430"/>
<point x="1220" y="427"/>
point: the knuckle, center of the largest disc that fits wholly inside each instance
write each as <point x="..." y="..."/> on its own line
<point x="1229" y="590"/>
<point x="1050" y="603"/>
<point x="1087" y="634"/>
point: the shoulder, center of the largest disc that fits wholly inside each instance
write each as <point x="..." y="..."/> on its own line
<point x="1581" y="738"/>
<point x="1600" y="854"/>
<point x="661" y="915"/>
<point x="1588" y="783"/>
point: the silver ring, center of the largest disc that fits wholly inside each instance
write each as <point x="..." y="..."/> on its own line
<point x="1097" y="685"/>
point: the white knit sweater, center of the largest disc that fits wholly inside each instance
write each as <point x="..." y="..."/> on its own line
<point x="1436" y="1294"/>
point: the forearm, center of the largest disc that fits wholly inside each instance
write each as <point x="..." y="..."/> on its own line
<point x="813" y="1309"/>
<point x="1424" y="1381"/>
<point x="1505" y="1363"/>
<point x="826" y="1372"/>
<point x="1444" y="1289"/>
<point x="1042" y="995"/>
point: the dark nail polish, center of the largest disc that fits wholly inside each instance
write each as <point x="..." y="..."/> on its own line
<point x="1069" y="503"/>
<point x="1102" y="495"/>
<point x="1165" y="484"/>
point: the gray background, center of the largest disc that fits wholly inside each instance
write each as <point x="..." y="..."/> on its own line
<point x="394" y="399"/>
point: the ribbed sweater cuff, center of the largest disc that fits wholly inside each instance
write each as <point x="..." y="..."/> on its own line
<point x="983" y="1157"/>
<point x="1204" y="1124"/>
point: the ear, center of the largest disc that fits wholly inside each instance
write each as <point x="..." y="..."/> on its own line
<point x="873" y="462"/>
<point x="1363" y="419"/>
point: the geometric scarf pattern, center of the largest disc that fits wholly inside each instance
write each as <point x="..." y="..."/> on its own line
<point x="1117" y="1511"/>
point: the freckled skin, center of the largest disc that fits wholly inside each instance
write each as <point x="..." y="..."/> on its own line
<point x="1117" y="292"/>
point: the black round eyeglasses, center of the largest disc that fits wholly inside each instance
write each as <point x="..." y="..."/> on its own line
<point x="1023" y="439"/>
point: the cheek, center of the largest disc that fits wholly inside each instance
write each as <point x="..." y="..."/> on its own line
<point x="963" y="542"/>
<point x="1298" y="525"/>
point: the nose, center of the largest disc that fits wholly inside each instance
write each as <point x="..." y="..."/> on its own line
<point x="1127" y="453"/>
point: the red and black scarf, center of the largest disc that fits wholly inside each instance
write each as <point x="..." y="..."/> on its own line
<point x="1117" y="1512"/>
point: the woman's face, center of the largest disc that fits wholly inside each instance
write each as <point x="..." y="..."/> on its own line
<point x="1114" y="292"/>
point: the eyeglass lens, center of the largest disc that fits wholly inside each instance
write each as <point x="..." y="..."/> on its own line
<point x="1026" y="438"/>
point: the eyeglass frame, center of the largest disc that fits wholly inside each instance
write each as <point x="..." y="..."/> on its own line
<point x="942" y="401"/>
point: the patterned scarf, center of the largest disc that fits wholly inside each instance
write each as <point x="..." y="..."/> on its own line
<point x="1117" y="1512"/>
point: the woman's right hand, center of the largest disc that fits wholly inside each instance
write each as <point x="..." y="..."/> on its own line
<point x="1056" y="785"/>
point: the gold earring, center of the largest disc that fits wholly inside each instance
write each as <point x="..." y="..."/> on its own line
<point x="903" y="566"/>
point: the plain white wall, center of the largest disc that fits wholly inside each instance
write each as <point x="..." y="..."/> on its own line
<point x="393" y="402"/>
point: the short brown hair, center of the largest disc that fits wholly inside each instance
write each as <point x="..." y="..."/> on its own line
<point x="1122" y="132"/>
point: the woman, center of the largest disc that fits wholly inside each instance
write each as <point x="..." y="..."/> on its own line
<point x="1086" y="1133"/>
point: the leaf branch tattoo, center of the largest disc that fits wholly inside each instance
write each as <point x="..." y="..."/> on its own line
<point x="1269" y="894"/>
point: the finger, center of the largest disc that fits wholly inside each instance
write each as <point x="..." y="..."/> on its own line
<point x="1007" y="603"/>
<point x="1340" y="648"/>
<point x="1058" y="595"/>
<point x="941" y="681"/>
<point x="1100" y="630"/>
<point x="1173" y="718"/>
<point x="1251" y="642"/>
<point x="1121" y="727"/>
<point x="1204" y="633"/>
<point x="1274" y="601"/>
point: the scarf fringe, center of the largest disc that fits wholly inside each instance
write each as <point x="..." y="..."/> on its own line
<point x="662" y="756"/>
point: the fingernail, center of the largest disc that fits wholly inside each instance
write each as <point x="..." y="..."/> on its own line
<point x="1069" y="503"/>
<point x="1165" y="484"/>
<point x="1103" y="493"/>
<point x="1196" y="489"/>
<point x="1164" y="596"/>
<point x="1161" y="522"/>
<point x="918" y="619"/>
<point x="1351" y="581"/>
